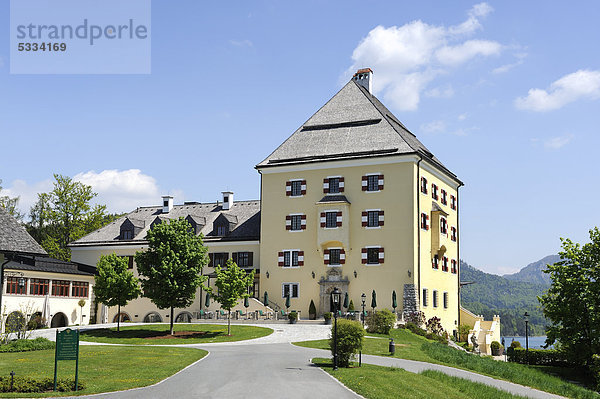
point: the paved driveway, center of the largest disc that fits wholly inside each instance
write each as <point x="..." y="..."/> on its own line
<point x="236" y="371"/>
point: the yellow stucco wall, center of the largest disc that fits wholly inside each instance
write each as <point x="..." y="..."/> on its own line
<point x="398" y="236"/>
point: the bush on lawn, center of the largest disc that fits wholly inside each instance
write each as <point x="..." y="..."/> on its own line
<point x="495" y="347"/>
<point x="349" y="340"/>
<point x="515" y="344"/>
<point x="26" y="345"/>
<point x="381" y="322"/>
<point x="416" y="318"/>
<point x="538" y="357"/>
<point x="434" y="326"/>
<point x="351" y="306"/>
<point x="595" y="367"/>
<point x="30" y="385"/>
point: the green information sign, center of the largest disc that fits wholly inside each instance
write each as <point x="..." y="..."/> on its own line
<point x="67" y="348"/>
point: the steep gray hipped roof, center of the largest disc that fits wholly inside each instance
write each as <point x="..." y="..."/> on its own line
<point x="50" y="265"/>
<point x="14" y="237"/>
<point x="246" y="214"/>
<point x="353" y="124"/>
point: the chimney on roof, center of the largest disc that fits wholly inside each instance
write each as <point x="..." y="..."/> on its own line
<point x="364" y="77"/>
<point x="167" y="203"/>
<point x="227" y="200"/>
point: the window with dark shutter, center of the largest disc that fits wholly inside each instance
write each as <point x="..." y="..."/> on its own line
<point x="334" y="185"/>
<point x="435" y="263"/>
<point x="296" y="222"/>
<point x="453" y="233"/>
<point x="374" y="256"/>
<point x="334" y="256"/>
<point x="331" y="219"/>
<point x="443" y="199"/>
<point x="453" y="202"/>
<point x="423" y="185"/>
<point x="296" y="188"/>
<point x="373" y="183"/>
<point x="434" y="193"/>
<point x="373" y="219"/>
<point x="424" y="221"/>
<point x="425" y="302"/>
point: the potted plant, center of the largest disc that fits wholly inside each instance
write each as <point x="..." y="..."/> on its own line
<point x="293" y="317"/>
<point x="327" y="316"/>
<point x="495" y="346"/>
<point x="312" y="311"/>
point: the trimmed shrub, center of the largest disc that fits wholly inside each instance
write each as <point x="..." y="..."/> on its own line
<point x="293" y="316"/>
<point x="30" y="385"/>
<point x="312" y="310"/>
<point x="349" y="340"/>
<point x="515" y="344"/>
<point x="495" y="347"/>
<point x="538" y="357"/>
<point x="413" y="328"/>
<point x="351" y="306"/>
<point x="381" y="322"/>
<point x="26" y="345"/>
<point x="327" y="315"/>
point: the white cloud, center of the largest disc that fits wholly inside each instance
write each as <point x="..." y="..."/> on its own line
<point x="241" y="43"/>
<point x="440" y="92"/>
<point x="507" y="67"/>
<point x="583" y="84"/>
<point x="462" y="117"/>
<point x="407" y="58"/>
<point x="433" y="127"/>
<point x="555" y="143"/>
<point x="459" y="54"/>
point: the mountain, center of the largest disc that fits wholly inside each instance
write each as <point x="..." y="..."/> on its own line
<point x="491" y="294"/>
<point x="534" y="272"/>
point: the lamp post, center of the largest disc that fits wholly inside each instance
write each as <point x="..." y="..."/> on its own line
<point x="526" y="316"/>
<point x="335" y="298"/>
<point x="362" y="317"/>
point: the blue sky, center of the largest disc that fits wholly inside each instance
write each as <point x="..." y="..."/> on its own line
<point x="504" y="93"/>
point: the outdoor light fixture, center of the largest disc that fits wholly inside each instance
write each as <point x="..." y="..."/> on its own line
<point x="355" y="274"/>
<point x="267" y="274"/>
<point x="313" y="274"/>
<point x="526" y="316"/>
<point x="21" y="282"/>
<point x="363" y="297"/>
<point x="335" y="298"/>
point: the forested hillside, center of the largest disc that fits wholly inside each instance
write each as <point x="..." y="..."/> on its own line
<point x="491" y="294"/>
<point x="534" y="272"/>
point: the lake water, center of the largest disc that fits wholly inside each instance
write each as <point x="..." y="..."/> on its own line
<point x="534" y="342"/>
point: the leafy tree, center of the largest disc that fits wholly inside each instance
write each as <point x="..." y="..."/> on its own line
<point x="114" y="285"/>
<point x="10" y="204"/>
<point x="572" y="303"/>
<point x="232" y="285"/>
<point x="171" y="269"/>
<point x="65" y="215"/>
<point x="350" y="335"/>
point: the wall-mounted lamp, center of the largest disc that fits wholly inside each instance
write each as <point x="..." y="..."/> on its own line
<point x="409" y="273"/>
<point x="267" y="274"/>
<point x="313" y="274"/>
<point x="355" y="274"/>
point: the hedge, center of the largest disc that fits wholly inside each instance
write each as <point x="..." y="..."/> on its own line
<point x="539" y="357"/>
<point x="381" y="322"/>
<point x="26" y="345"/>
<point x="30" y="385"/>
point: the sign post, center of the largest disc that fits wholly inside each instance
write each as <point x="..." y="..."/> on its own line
<point x="67" y="348"/>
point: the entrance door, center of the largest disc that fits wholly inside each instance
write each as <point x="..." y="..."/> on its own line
<point x="59" y="320"/>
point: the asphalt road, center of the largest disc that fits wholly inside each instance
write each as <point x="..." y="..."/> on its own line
<point x="236" y="371"/>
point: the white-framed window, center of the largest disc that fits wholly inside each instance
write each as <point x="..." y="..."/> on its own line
<point x="425" y="297"/>
<point x="435" y="299"/>
<point x="434" y="191"/>
<point x="445" y="264"/>
<point x="445" y="300"/>
<point x="423" y="185"/>
<point x="424" y="221"/>
<point x="372" y="218"/>
<point x="373" y="255"/>
<point x="372" y="182"/>
<point x="334" y="256"/>
<point x="290" y="258"/>
<point x="331" y="219"/>
<point x="435" y="263"/>
<point x="453" y="269"/>
<point x="443" y="197"/>
<point x="453" y="233"/>
<point x="333" y="185"/>
<point x="452" y="202"/>
<point x="295" y="188"/>
<point x="293" y="289"/>
<point x="443" y="226"/>
<point x="295" y="222"/>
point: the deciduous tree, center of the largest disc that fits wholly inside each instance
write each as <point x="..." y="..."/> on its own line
<point x="10" y="204"/>
<point x="171" y="268"/>
<point x="573" y="301"/>
<point x="114" y="285"/>
<point x="232" y="285"/>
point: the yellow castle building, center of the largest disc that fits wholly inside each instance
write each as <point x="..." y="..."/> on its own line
<point x="351" y="200"/>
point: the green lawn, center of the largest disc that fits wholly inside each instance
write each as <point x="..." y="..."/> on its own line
<point x="158" y="334"/>
<point x="414" y="347"/>
<point x="102" y="368"/>
<point x="377" y="382"/>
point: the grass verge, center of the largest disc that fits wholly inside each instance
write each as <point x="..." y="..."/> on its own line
<point x="377" y="382"/>
<point x="414" y="347"/>
<point x="158" y="334"/>
<point x="101" y="368"/>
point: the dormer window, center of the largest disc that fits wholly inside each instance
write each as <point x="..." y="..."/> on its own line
<point x="130" y="228"/>
<point x="126" y="235"/>
<point x="222" y="230"/>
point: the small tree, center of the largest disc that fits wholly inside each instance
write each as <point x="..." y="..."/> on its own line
<point x="81" y="304"/>
<point x="232" y="283"/>
<point x="312" y="310"/>
<point x="114" y="285"/>
<point x="349" y="340"/>
<point x="434" y="326"/>
<point x="171" y="268"/>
